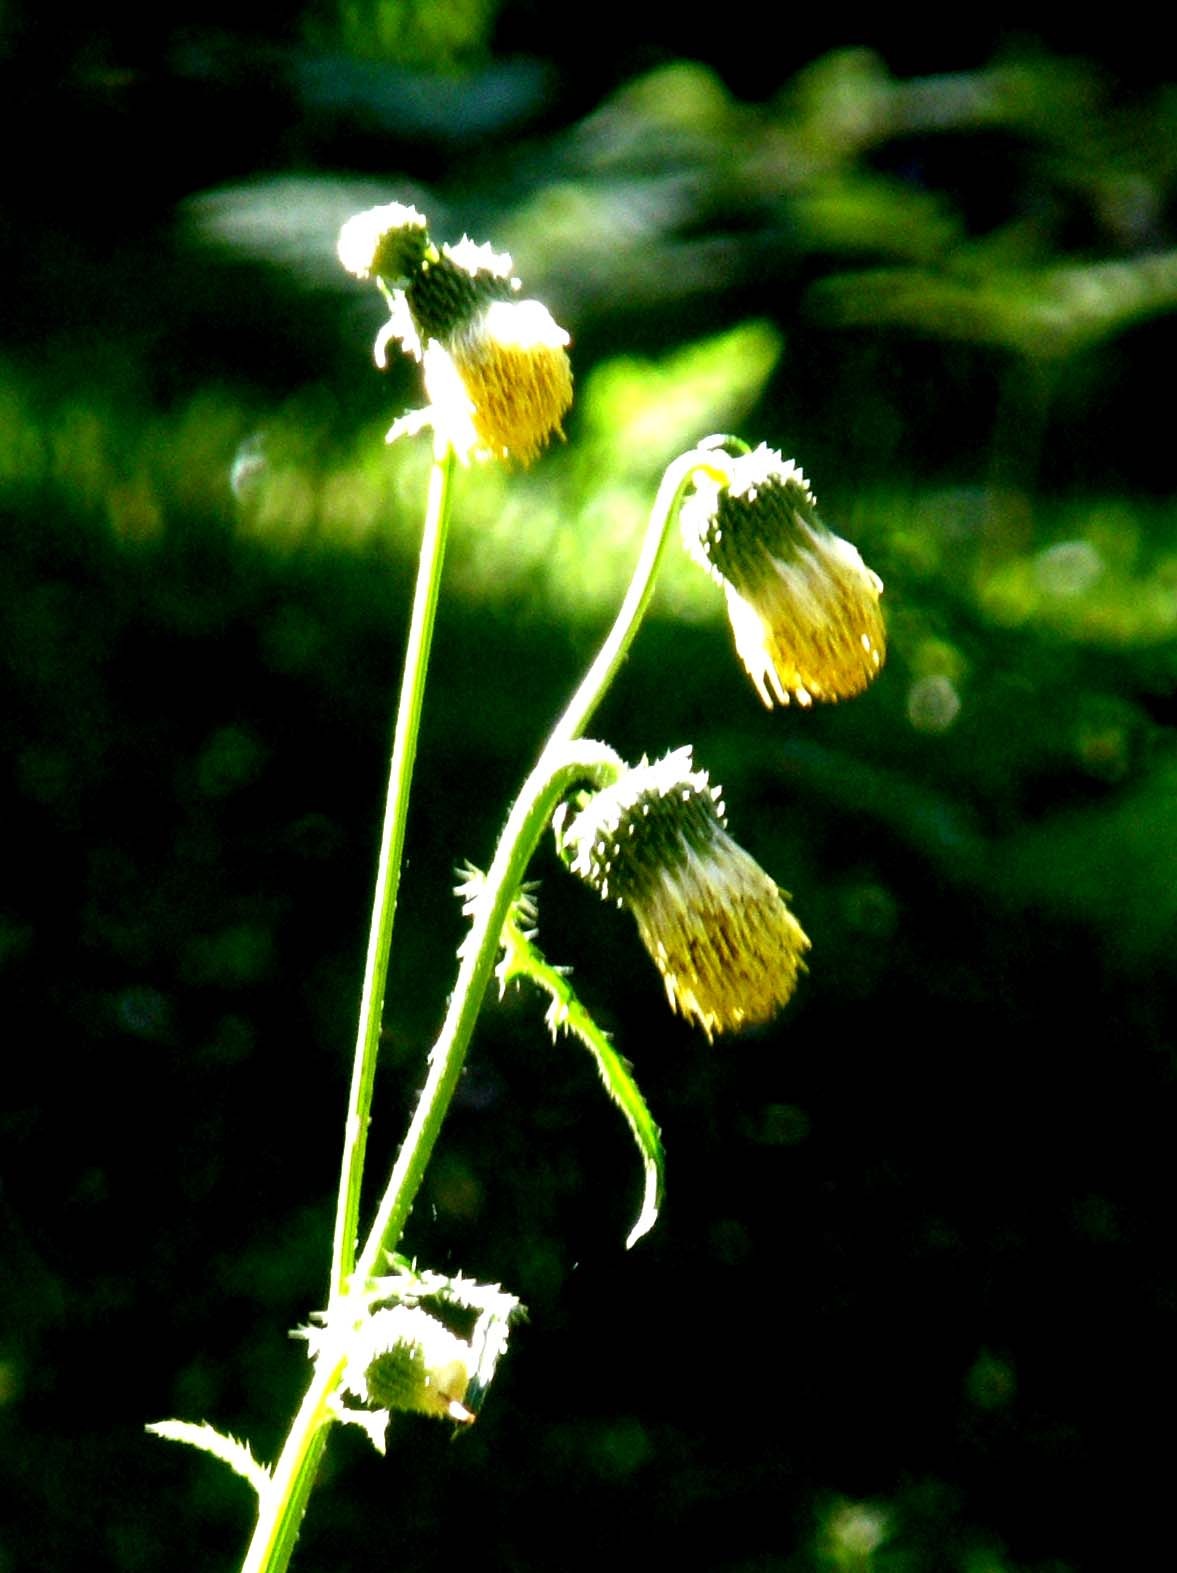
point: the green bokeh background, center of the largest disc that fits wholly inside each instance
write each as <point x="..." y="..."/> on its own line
<point x="910" y="1304"/>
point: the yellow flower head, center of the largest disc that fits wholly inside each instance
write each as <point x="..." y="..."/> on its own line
<point x="718" y="929"/>
<point x="803" y="606"/>
<point x="504" y="381"/>
<point x="496" y="367"/>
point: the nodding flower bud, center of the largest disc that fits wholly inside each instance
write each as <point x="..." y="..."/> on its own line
<point x="804" y="607"/>
<point x="504" y="381"/>
<point x="405" y="1359"/>
<point x="496" y="367"/>
<point x="717" y="927"/>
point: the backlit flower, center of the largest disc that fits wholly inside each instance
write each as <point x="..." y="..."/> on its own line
<point x="404" y="1358"/>
<point x="496" y="366"/>
<point x="718" y="929"/>
<point x="803" y="606"/>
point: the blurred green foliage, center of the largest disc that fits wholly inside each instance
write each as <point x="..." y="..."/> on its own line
<point x="405" y="32"/>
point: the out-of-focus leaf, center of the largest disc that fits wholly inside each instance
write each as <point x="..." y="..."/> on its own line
<point x="867" y="212"/>
<point x="1047" y="313"/>
<point x="639" y="414"/>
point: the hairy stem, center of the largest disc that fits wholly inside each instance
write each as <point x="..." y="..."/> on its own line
<point x="541" y="792"/>
<point x="282" y="1505"/>
<point x="563" y="763"/>
<point x="559" y="769"/>
<point x="392" y="842"/>
<point x="663" y="514"/>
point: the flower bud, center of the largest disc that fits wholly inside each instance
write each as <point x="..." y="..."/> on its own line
<point x="717" y="927"/>
<point x="496" y="367"/>
<point x="503" y="384"/>
<point x="405" y="1359"/>
<point x="803" y="606"/>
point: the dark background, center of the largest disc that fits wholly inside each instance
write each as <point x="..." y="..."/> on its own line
<point x="910" y="1303"/>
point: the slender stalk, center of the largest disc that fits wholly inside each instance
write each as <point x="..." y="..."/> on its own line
<point x="558" y="769"/>
<point x="516" y="844"/>
<point x="392" y="842"/>
<point x="563" y="762"/>
<point x="596" y="680"/>
<point x="283" y="1504"/>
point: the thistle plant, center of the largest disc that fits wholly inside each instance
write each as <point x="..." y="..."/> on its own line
<point x="651" y="837"/>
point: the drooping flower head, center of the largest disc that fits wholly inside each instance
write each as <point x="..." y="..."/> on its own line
<point x="496" y="366"/>
<point x="803" y="606"/>
<point x="717" y="927"/>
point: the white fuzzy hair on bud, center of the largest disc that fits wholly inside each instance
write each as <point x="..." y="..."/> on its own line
<point x="715" y="924"/>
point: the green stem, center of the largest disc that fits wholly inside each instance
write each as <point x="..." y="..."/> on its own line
<point x="524" y="825"/>
<point x="392" y="842"/>
<point x="284" y="1501"/>
<point x="559" y="768"/>
<point x="562" y="764"/>
<point x="596" y="680"/>
<point x="282" y="1506"/>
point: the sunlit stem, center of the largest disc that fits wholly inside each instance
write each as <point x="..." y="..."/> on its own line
<point x="564" y="763"/>
<point x="559" y="769"/>
<point x="663" y="515"/>
<point x="283" y="1503"/>
<point x="556" y="770"/>
<point x="392" y="842"/>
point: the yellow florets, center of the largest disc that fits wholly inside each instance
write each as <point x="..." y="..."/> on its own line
<point x="515" y="377"/>
<point x="716" y="925"/>
<point x="803" y="606"/>
<point x="496" y="366"/>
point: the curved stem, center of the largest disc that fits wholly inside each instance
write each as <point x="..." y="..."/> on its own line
<point x="641" y="587"/>
<point x="392" y="842"/>
<point x="282" y="1506"/>
<point x="563" y="762"/>
<point x="559" y="768"/>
